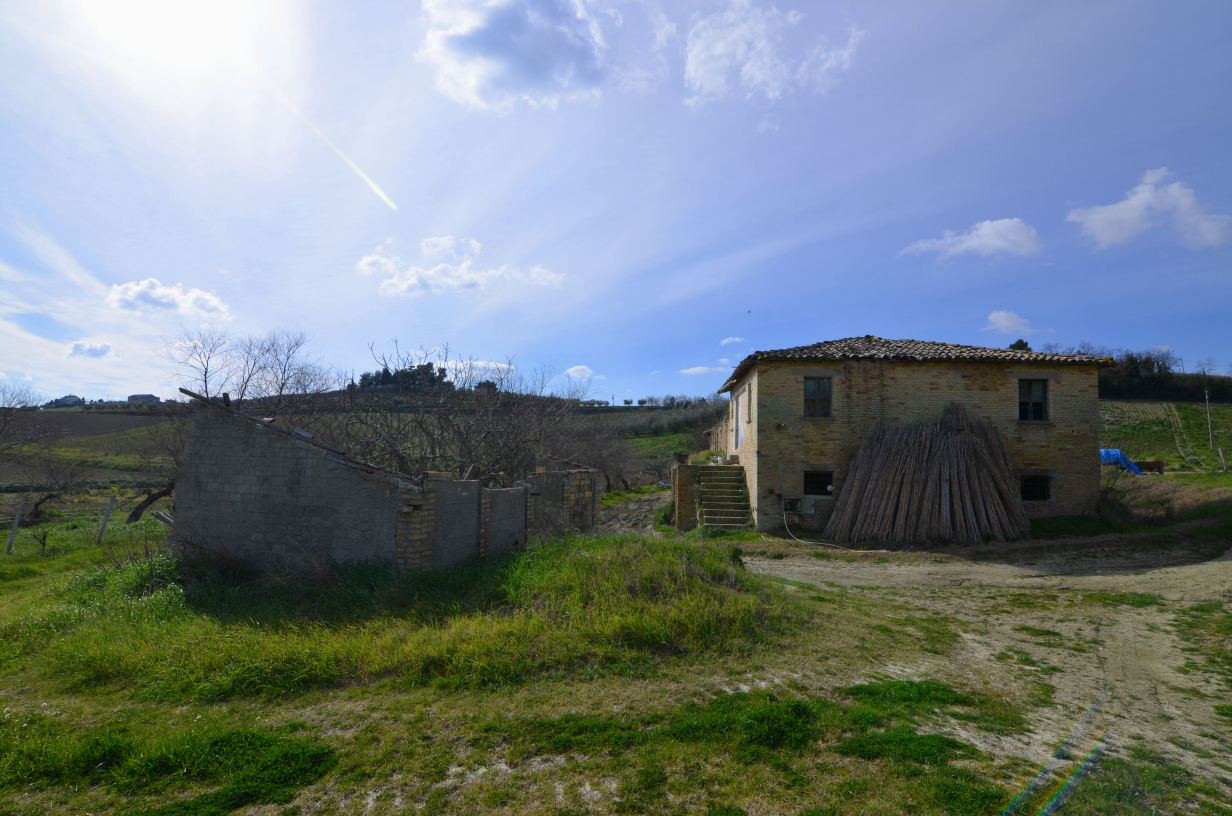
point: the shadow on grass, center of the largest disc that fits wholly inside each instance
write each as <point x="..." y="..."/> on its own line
<point x="1148" y="523"/>
<point x="347" y="594"/>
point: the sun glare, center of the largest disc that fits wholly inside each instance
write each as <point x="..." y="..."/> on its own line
<point x="181" y="41"/>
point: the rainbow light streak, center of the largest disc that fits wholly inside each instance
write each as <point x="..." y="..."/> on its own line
<point x="1058" y="756"/>
<point x="1087" y="764"/>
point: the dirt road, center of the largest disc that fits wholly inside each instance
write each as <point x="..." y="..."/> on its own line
<point x="1120" y="668"/>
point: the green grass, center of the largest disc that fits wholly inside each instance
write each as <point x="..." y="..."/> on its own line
<point x="577" y="606"/>
<point x="874" y="722"/>
<point x="1142" y="430"/>
<point x="1139" y="784"/>
<point x="1208" y="628"/>
<point x="1197" y="439"/>
<point x="617" y="496"/>
<point x="661" y="446"/>
<point x="1154" y="431"/>
<point x="1073" y="526"/>
<point x="240" y="767"/>
<point x="615" y="675"/>
<point x="1138" y="600"/>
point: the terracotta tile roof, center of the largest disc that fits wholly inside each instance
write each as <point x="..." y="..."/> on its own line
<point x="869" y="347"/>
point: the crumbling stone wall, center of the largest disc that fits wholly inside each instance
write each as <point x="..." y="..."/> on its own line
<point x="684" y="495"/>
<point x="277" y="501"/>
<point x="273" y="501"/>
<point x="564" y="499"/>
<point x="261" y="498"/>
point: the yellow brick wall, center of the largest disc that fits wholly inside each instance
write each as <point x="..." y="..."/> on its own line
<point x="416" y="520"/>
<point x="780" y="442"/>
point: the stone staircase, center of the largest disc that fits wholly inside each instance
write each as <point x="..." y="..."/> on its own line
<point x="723" y="497"/>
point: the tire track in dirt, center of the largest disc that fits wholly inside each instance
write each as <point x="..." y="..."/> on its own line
<point x="1124" y="662"/>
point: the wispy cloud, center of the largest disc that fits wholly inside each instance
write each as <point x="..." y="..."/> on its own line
<point x="727" y="341"/>
<point x="741" y="50"/>
<point x="1112" y="224"/>
<point x="448" y="264"/>
<point x="694" y="370"/>
<point x="1005" y="322"/>
<point x="1004" y="236"/>
<point x="152" y="295"/>
<point x="488" y="55"/>
<point x="51" y="323"/>
<point x="580" y="372"/>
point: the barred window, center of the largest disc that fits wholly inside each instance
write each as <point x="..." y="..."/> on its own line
<point x="1036" y="488"/>
<point x="818" y="482"/>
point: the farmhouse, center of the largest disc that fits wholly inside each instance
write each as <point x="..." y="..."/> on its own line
<point x="797" y="417"/>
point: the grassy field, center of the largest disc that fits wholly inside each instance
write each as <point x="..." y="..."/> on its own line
<point x="1173" y="433"/>
<point x="618" y="674"/>
<point x="586" y="675"/>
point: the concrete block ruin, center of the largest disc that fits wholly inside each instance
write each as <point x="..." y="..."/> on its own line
<point x="277" y="501"/>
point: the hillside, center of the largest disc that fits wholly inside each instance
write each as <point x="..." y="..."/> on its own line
<point x="1174" y="433"/>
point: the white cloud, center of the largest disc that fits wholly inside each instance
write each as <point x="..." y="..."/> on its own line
<point x="471" y="371"/>
<point x="727" y="341"/>
<point x="1111" y="224"/>
<point x="488" y="54"/>
<point x="741" y="50"/>
<point x="85" y="348"/>
<point x="1005" y="322"/>
<point x="153" y="295"/>
<point x="821" y="68"/>
<point x="580" y="372"/>
<point x="456" y="268"/>
<point x="692" y="370"/>
<point x="1004" y="236"/>
<point x="51" y="325"/>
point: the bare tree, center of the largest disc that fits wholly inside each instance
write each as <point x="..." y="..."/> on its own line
<point x="160" y="454"/>
<point x="286" y="378"/>
<point x="474" y="420"/>
<point x="56" y="474"/>
<point x="17" y="419"/>
<point x="598" y="442"/>
<point x="201" y="359"/>
<point x="273" y="373"/>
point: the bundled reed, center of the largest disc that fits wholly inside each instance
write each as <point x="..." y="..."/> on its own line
<point x="945" y="480"/>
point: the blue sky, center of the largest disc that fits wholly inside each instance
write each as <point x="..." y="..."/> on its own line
<point x="633" y="192"/>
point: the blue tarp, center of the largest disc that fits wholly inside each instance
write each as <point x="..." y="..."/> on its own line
<point x="1113" y="456"/>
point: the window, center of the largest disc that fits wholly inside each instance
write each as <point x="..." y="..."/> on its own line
<point x="1033" y="399"/>
<point x="818" y="483"/>
<point x="1036" y="488"/>
<point x="737" y="428"/>
<point x="817" y="396"/>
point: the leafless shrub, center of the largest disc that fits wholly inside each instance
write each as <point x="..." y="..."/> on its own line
<point x="18" y="417"/>
<point x="472" y="419"/>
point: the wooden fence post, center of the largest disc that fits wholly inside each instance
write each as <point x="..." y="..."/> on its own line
<point x="106" y="518"/>
<point x="21" y="505"/>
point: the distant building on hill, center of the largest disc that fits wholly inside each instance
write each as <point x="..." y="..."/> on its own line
<point x="67" y="401"/>
<point x="143" y="399"/>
